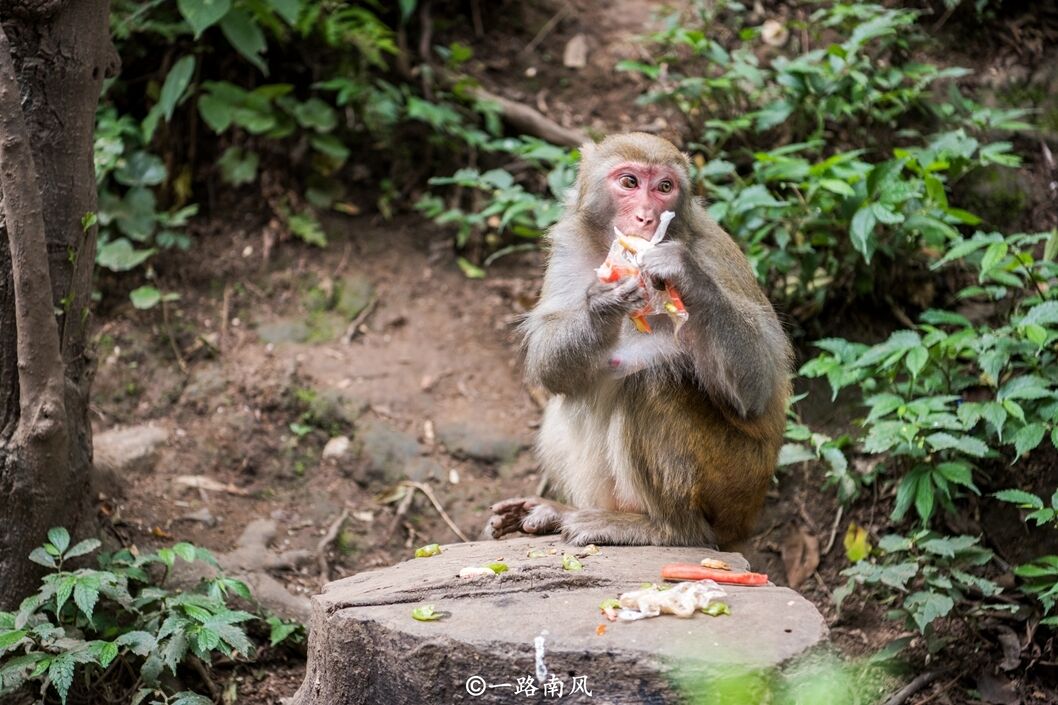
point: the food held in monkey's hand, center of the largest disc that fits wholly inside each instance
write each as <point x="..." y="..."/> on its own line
<point x="623" y="261"/>
<point x="682" y="600"/>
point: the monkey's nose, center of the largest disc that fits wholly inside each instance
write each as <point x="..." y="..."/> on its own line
<point x="644" y="219"/>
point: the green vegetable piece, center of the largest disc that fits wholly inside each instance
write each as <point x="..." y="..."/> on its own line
<point x="432" y="549"/>
<point x="497" y="567"/>
<point x="536" y="553"/>
<point x="715" y="609"/>
<point x="570" y="562"/>
<point x="426" y="613"/>
<point x="611" y="603"/>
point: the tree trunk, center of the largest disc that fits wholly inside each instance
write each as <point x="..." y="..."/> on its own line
<point x="54" y="55"/>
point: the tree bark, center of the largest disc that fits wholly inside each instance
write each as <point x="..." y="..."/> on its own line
<point x="54" y="55"/>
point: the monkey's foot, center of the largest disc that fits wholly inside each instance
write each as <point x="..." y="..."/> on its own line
<point x="530" y="515"/>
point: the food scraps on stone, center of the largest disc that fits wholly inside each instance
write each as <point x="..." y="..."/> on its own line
<point x="682" y="600"/>
<point x="476" y="572"/>
<point x="426" y="613"/>
<point x="715" y="563"/>
<point x="609" y="608"/>
<point x="430" y="549"/>
<point x="715" y="609"/>
<point x="570" y="562"/>
<point x="690" y="571"/>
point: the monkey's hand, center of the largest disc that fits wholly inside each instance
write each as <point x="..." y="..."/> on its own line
<point x="615" y="299"/>
<point x="667" y="262"/>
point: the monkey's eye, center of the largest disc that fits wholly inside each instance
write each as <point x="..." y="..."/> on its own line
<point x="665" y="186"/>
<point x="627" y="181"/>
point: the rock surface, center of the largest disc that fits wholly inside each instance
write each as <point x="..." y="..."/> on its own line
<point x="366" y="648"/>
<point x="128" y="450"/>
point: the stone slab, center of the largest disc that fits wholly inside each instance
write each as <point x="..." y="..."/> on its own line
<point x="366" y="648"/>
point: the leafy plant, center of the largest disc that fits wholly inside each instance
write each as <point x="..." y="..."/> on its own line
<point x="924" y="576"/>
<point x="115" y="629"/>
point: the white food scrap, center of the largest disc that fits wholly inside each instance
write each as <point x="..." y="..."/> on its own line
<point x="681" y="600"/>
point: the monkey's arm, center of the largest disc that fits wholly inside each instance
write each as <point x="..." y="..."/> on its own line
<point x="735" y="343"/>
<point x="577" y="321"/>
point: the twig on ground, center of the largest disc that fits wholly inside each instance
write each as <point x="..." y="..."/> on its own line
<point x="546" y="29"/>
<point x="920" y="682"/>
<point x="833" y="531"/>
<point x="361" y="317"/>
<point x="425" y="489"/>
<point x="203" y="673"/>
<point x="325" y="542"/>
<point x="402" y="510"/>
<point x="225" y="312"/>
<point x="172" y="338"/>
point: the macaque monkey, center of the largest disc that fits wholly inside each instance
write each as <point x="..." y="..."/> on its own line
<point x="681" y="450"/>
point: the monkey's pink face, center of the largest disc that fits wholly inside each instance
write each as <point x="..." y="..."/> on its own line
<point x="642" y="192"/>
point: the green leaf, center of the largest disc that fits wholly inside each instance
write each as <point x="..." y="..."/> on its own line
<point x="119" y="255"/>
<point x="216" y="112"/>
<point x="287" y="9"/>
<point x="85" y="596"/>
<point x="176" y="82"/>
<point x="315" y="114"/>
<point x="202" y="14"/>
<point x="860" y="231"/>
<point x="60" y="673"/>
<point x="246" y="36"/>
<point x="238" y="166"/>
<point x="9" y="639"/>
<point x="41" y="557"/>
<point x="965" y="444"/>
<point x="1027" y="438"/>
<point x="105" y="652"/>
<point x="60" y="538"/>
<point x="83" y="547"/>
<point x="916" y="359"/>
<point x="837" y="186"/>
<point x="141" y="169"/>
<point x="138" y="642"/>
<point x="308" y="228"/>
<point x="924" y="497"/>
<point x="792" y="453"/>
<point x="1042" y="314"/>
<point x="280" y="630"/>
<point x="185" y="550"/>
<point x="145" y="297"/>
<point x="927" y="606"/>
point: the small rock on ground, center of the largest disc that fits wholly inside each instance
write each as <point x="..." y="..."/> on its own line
<point x="134" y="449"/>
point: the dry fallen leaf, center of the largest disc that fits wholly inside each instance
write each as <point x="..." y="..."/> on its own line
<point x="601" y="629"/>
<point x="800" y="555"/>
<point x="1008" y="639"/>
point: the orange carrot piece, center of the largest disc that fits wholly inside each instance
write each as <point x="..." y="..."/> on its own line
<point x="691" y="571"/>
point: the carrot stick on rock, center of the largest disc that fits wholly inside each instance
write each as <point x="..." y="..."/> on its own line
<point x="691" y="571"/>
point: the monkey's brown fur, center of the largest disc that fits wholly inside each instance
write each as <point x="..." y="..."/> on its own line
<point x="680" y="453"/>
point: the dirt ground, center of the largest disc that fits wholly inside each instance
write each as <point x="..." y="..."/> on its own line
<point x="250" y="373"/>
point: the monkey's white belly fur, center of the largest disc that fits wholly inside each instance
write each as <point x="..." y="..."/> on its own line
<point x="585" y="451"/>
